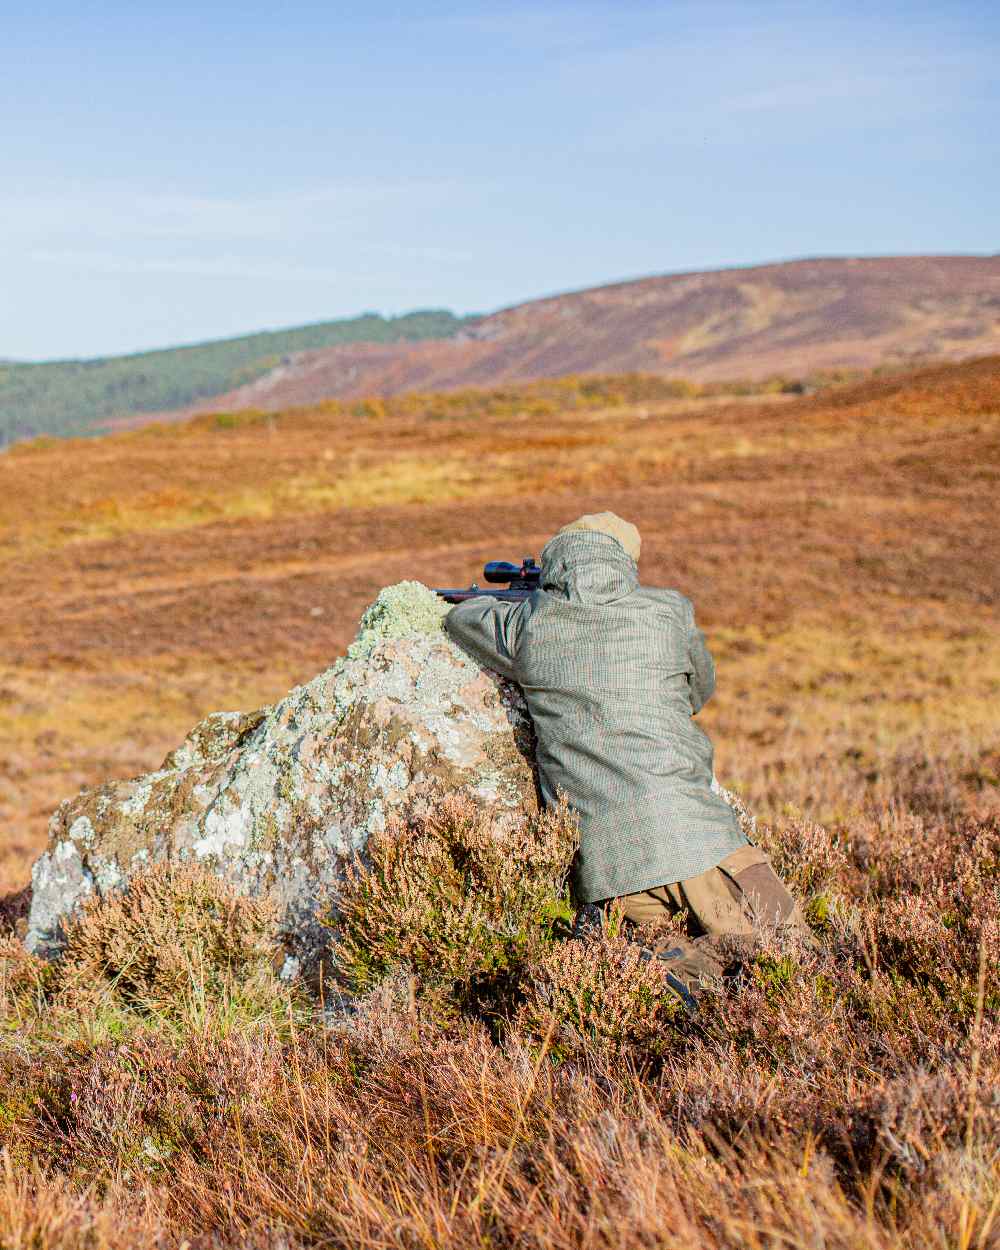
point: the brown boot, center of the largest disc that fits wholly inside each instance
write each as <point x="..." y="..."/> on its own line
<point x="689" y="968"/>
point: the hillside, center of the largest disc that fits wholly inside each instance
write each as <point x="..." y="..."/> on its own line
<point x="792" y="320"/>
<point x="75" y="396"/>
<point x="787" y="319"/>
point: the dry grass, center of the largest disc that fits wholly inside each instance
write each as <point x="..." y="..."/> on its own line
<point x="842" y="1096"/>
<point x="840" y="551"/>
<point x="838" y="548"/>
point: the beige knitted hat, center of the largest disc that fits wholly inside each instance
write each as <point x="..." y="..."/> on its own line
<point x="612" y="525"/>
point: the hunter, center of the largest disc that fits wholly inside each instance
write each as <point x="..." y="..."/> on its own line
<point x="613" y="673"/>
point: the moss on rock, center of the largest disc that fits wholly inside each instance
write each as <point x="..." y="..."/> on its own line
<point x="400" y="611"/>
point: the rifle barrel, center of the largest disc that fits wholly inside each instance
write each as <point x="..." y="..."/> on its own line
<point x="491" y="592"/>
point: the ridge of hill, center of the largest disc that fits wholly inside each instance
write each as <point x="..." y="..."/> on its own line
<point x="67" y="397"/>
<point x="789" y="319"/>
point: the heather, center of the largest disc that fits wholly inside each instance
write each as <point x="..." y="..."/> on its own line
<point x="461" y="1083"/>
<point x="463" y="901"/>
<point x="467" y="1071"/>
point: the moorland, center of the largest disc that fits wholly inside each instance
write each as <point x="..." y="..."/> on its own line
<point x="840" y="548"/>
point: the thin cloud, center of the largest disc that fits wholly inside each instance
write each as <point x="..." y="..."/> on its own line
<point x="118" y="212"/>
<point x="232" y="265"/>
<point x="214" y="267"/>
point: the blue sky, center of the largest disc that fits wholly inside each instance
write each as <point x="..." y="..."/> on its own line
<point x="182" y="171"/>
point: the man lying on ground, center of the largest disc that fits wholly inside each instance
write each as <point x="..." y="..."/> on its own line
<point x="613" y="673"/>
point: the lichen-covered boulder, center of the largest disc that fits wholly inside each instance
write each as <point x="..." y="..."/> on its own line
<point x="279" y="799"/>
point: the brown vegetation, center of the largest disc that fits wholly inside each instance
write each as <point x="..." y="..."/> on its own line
<point x="843" y="1095"/>
<point x="461" y="903"/>
<point x="841" y="551"/>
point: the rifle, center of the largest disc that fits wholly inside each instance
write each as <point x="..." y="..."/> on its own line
<point x="517" y="581"/>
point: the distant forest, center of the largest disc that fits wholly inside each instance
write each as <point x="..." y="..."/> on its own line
<point x="74" y="397"/>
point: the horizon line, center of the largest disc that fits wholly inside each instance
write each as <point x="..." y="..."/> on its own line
<point x="475" y="316"/>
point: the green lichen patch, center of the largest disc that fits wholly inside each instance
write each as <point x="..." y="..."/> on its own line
<point x="400" y="611"/>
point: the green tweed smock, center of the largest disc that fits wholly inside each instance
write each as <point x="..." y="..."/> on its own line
<point x="612" y="673"/>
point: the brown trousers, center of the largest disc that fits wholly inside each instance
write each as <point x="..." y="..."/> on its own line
<point x="730" y="900"/>
<point x="727" y="901"/>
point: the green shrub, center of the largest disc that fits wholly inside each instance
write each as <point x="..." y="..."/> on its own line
<point x="599" y="995"/>
<point x="178" y="939"/>
<point x="462" y="901"/>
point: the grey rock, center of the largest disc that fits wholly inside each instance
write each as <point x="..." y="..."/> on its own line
<point x="279" y="800"/>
